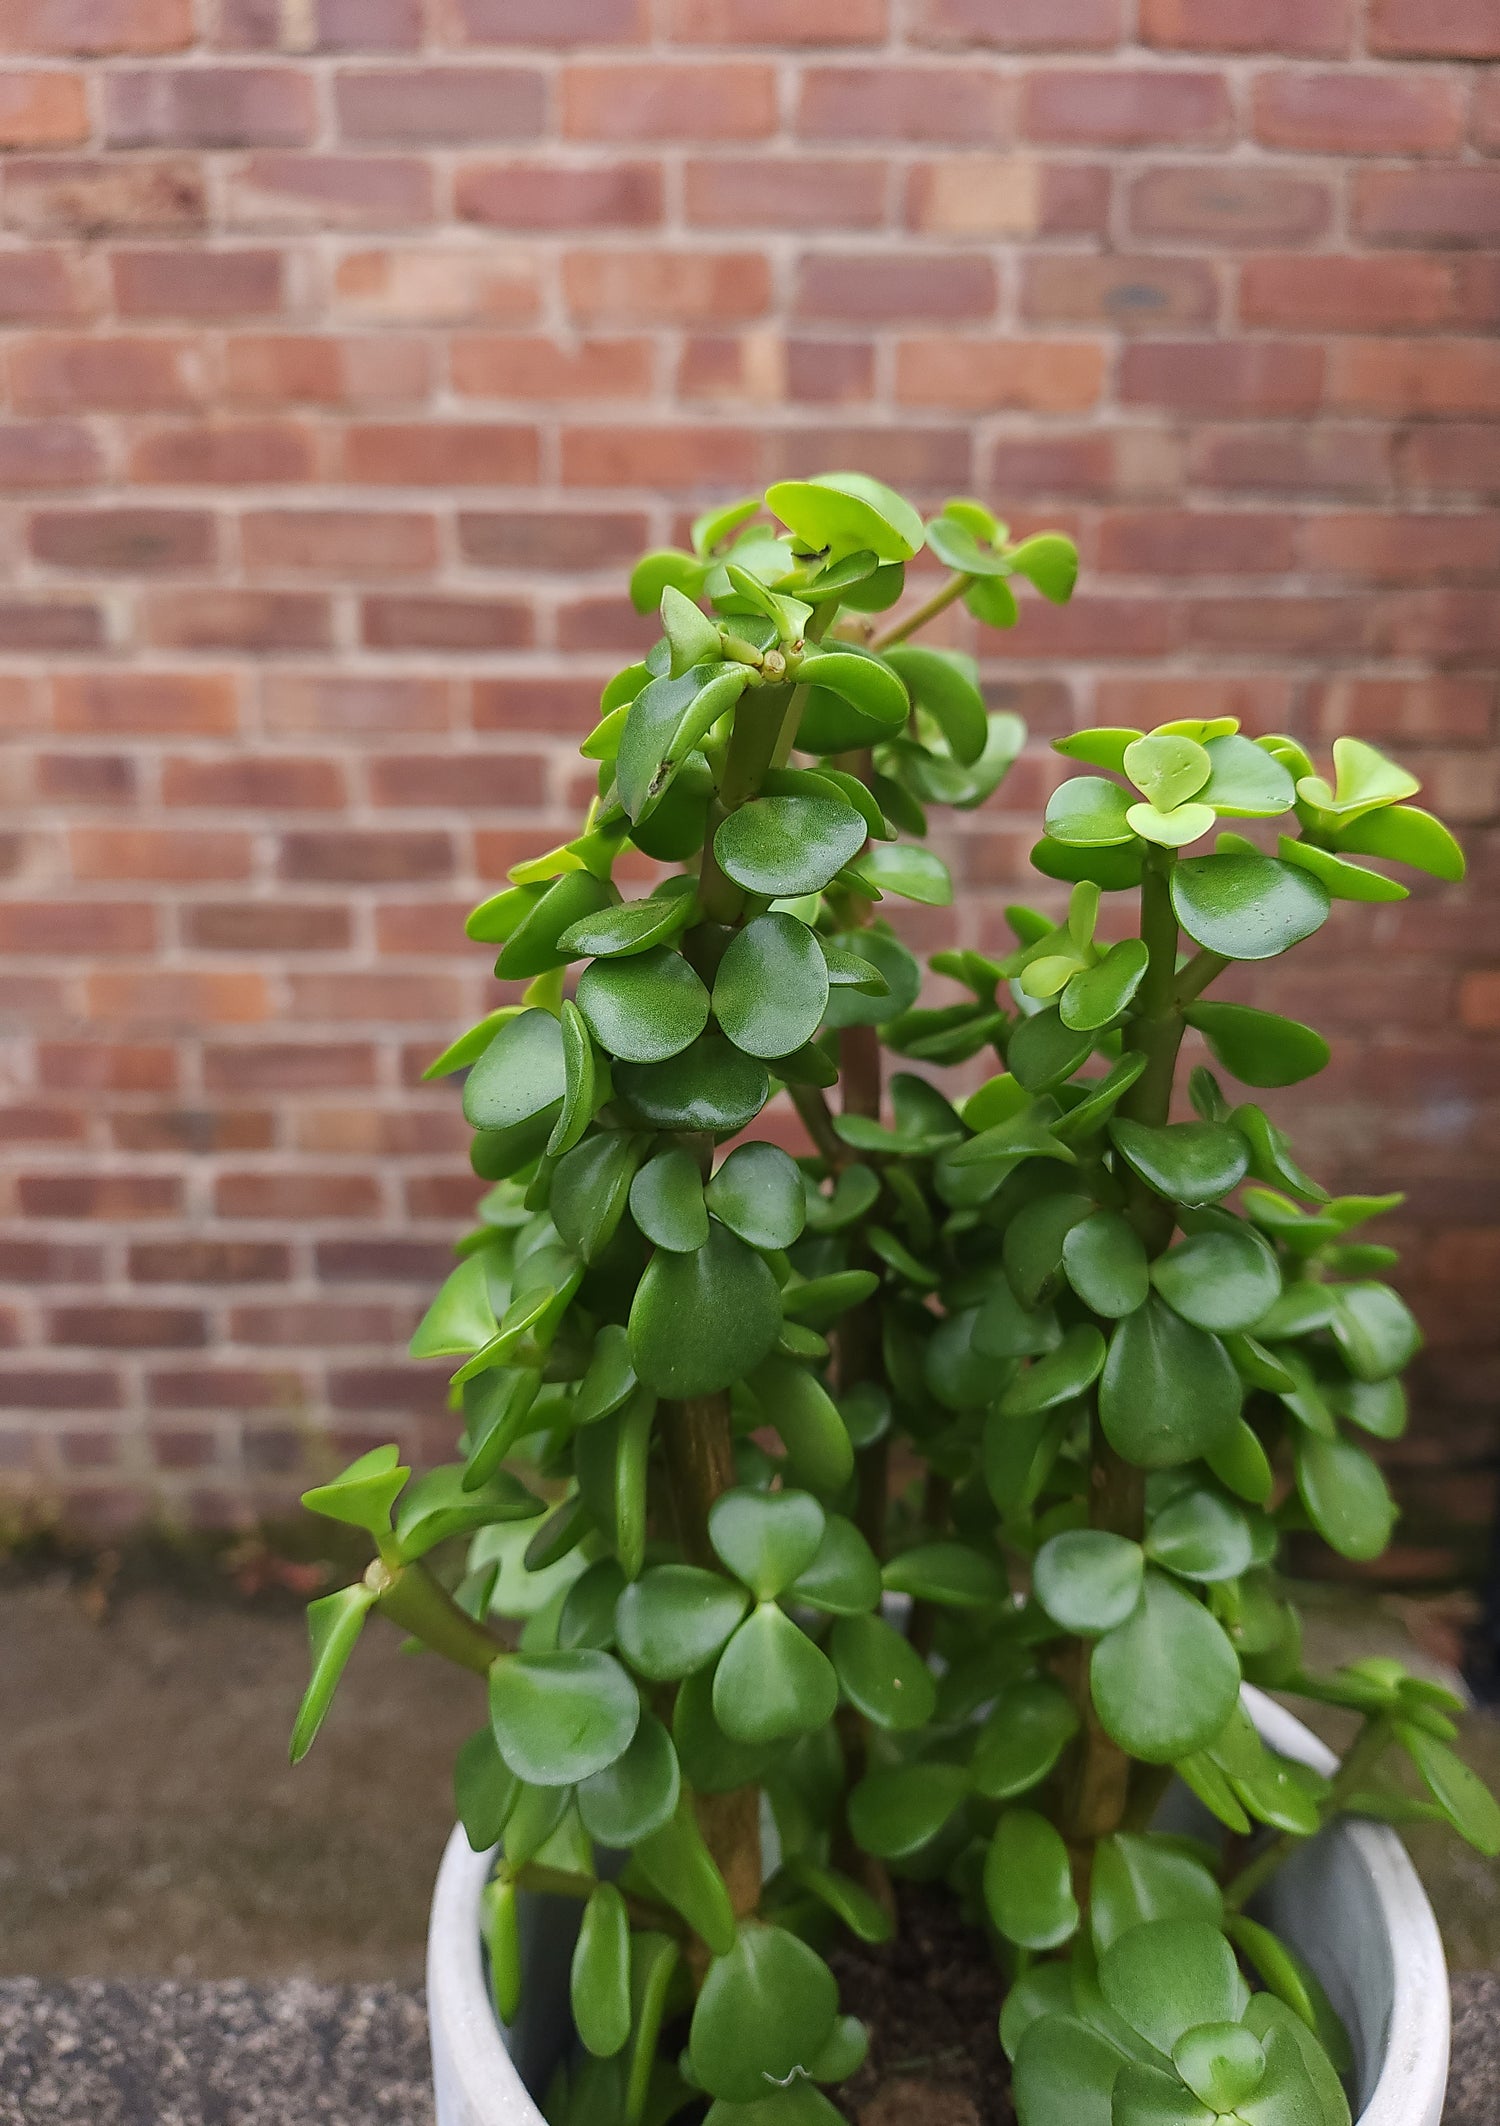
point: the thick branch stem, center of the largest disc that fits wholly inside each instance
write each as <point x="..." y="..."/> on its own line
<point x="939" y="602"/>
<point x="420" y="1604"/>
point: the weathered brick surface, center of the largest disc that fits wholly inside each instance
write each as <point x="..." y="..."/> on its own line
<point x="351" y="347"/>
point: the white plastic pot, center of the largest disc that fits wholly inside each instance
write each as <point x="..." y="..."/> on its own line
<point x="1350" y="1901"/>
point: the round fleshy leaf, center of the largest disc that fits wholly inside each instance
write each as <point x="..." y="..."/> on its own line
<point x="666" y="1202"/>
<point x="701" y="1321"/>
<point x="1201" y="1536"/>
<point x="711" y="1086"/>
<point x="882" y="1674"/>
<point x="1257" y="1046"/>
<point x="1364" y="781"/>
<point x="1344" y="881"/>
<point x="1345" y="1496"/>
<point x="666" y="720"/>
<point x="768" y="1539"/>
<point x="1023" y="1737"/>
<point x="846" y="513"/>
<point x="1058" y="1376"/>
<point x="765" y="2013"/>
<point x="691" y="635"/>
<point x="1088" y="812"/>
<point x="1049" y="561"/>
<point x="758" y="1194"/>
<point x="946" y="686"/>
<point x="1065" y="2073"/>
<point x="1223" y="1278"/>
<point x="629" y="927"/>
<point x="772" y="986"/>
<point x="1459" y="1792"/>
<point x="1044" y="1053"/>
<point x="772" y="1682"/>
<point x="848" y="1006"/>
<point x="788" y="846"/>
<point x="1095" y="995"/>
<point x="953" y="1575"/>
<point x="819" y="1449"/>
<point x="1375" y="1329"/>
<point x="1247" y="782"/>
<point x="1169" y="1392"/>
<point x="1246" y="907"/>
<point x="866" y="682"/>
<point x="1223" y="2063"/>
<point x="599" y="1983"/>
<point x="1174" y="829"/>
<point x="534" y="947"/>
<point x="1194" y="1163"/>
<point x="675" y="1618"/>
<point x="363" y="1495"/>
<point x="643" y="1008"/>
<point x="711" y="1763"/>
<point x="1404" y="834"/>
<point x="1165" y="1681"/>
<point x="844" y="1576"/>
<point x="907" y="870"/>
<point x="1105" y="1263"/>
<point x="1138" y="1876"/>
<point x="561" y="1717"/>
<point x="1087" y="1579"/>
<point x="1028" y="1889"/>
<point x="1167" y="770"/>
<point x="1171" y="1976"/>
<point x="590" y="1188"/>
<point x="520" y="1076"/>
<point x="484" y="1791"/>
<point x="635" y="1795"/>
<point x="894" y="1813"/>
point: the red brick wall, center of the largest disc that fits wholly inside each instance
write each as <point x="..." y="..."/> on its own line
<point x="351" y="346"/>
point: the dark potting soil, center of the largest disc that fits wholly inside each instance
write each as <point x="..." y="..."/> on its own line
<point x="931" y="2001"/>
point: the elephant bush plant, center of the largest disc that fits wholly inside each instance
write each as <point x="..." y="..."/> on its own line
<point x="910" y="1507"/>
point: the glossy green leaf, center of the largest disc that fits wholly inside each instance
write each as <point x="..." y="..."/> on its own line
<point x="666" y="1202"/>
<point x="1058" y="1376"/>
<point x="765" y="2012"/>
<point x="703" y="1320"/>
<point x="1138" y="1877"/>
<point x="1194" y="1163"/>
<point x="520" y="1077"/>
<point x="1294" y="1984"/>
<point x="1170" y="1976"/>
<point x="654" y="571"/>
<point x="881" y="1673"/>
<point x="586" y="1082"/>
<point x="1095" y="995"/>
<point x="1201" y="1536"/>
<point x="958" y="542"/>
<point x="1165" y="1681"/>
<point x="1377" y="1407"/>
<point x="1087" y="1579"/>
<point x="863" y="680"/>
<point x="470" y="1046"/>
<point x="1246" y="781"/>
<point x="1301" y="2081"/>
<point x="789" y="846"/>
<point x="560" y="1717"/>
<point x="1169" y="1391"/>
<point x="843" y="1578"/>
<point x="771" y="989"/>
<point x="498" y="918"/>
<point x="1104" y="746"/>
<point x="903" y="979"/>
<point x="1050" y="561"/>
<point x="1364" y="780"/>
<point x="758" y="1194"/>
<point x="667" y="720"/>
<point x="1065" y="2074"/>
<point x="1459" y="1792"/>
<point x="1167" y="770"/>
<point x="679" y="1867"/>
<point x="953" y="1575"/>
<point x="845" y="512"/>
<point x="1375" y="1330"/>
<point x="637" y="1794"/>
<point x="587" y="1616"/>
<point x="599" y="1981"/>
<point x="795" y="1402"/>
<point x="945" y="684"/>
<point x="1345" y="1496"/>
<point x="534" y="947"/>
<point x="1258" y="1047"/>
<point x="767" y="1539"/>
<point x="850" y="1902"/>
<point x="1174" y="829"/>
<point x="1105" y="1263"/>
<point x="643" y="1008"/>
<point x="893" y="1813"/>
<point x="1342" y="881"/>
<point x="710" y="1086"/>
<point x="1222" y="2063"/>
<point x="1222" y="1278"/>
<point x="441" y="1503"/>
<point x="1089" y="812"/>
<point x="334" y="1624"/>
<point x="675" y="1618"/>
<point x="628" y="927"/>
<point x="1031" y="1724"/>
<point x="1028" y="1889"/>
<point x="717" y="525"/>
<point x="363" y="1495"/>
<point x="711" y="1762"/>
<point x="1043" y="1053"/>
<point x="1404" y="834"/>
<point x="907" y="870"/>
<point x="692" y="636"/>
<point x="485" y="1791"/>
<point x="500" y="1930"/>
<point x="1090" y="1103"/>
<point x="772" y="1682"/>
<point x="590" y="1189"/>
<point x="1246" y="907"/>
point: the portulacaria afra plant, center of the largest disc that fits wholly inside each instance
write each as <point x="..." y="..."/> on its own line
<point x="910" y="1507"/>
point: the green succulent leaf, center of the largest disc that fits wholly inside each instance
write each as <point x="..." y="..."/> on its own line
<point x="1342" y="880"/>
<point x="1345" y="1495"/>
<point x="1258" y="1047"/>
<point x="1375" y="1330"/>
<point x="636" y="1795"/>
<point x="946" y="685"/>
<point x="334" y="1624"/>
<point x="893" y="1813"/>
<point x="627" y="927"/>
<point x="711" y="1085"/>
<point x="1222" y="1278"/>
<point x="1138" y="1877"/>
<point x="881" y="1673"/>
<point x="1246" y="907"/>
<point x="1201" y="1536"/>
<point x="362" y="1497"/>
<point x="1364" y="781"/>
<point x="1459" y="1792"/>
<point x="1088" y="1580"/>
<point x="1404" y="834"/>
<point x="1165" y="1681"/>
<point x="702" y="1320"/>
<point x="1031" y="1725"/>
<point x="1169" y="1391"/>
<point x="1028" y="1889"/>
<point x="772" y="1681"/>
<point x="1088" y="812"/>
<point x="905" y="869"/>
<point x="788" y="846"/>
<point x="521" y="1077"/>
<point x="758" y="1194"/>
<point x="534" y="946"/>
<point x="1065" y="2074"/>
<point x="666" y="720"/>
<point x="771" y="989"/>
<point x="643" y="1008"/>
<point x="766" y="2010"/>
<point x="1050" y="562"/>
<point x="1169" y="1976"/>
<point x="1105" y="1263"/>
<point x="561" y="1717"/>
<point x="1193" y="1163"/>
<point x="1246" y="782"/>
<point x="846" y="513"/>
<point x="1096" y="995"/>
<point x="666" y="1202"/>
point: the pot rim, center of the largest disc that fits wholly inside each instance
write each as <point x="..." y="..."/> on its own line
<point x="476" y="2077"/>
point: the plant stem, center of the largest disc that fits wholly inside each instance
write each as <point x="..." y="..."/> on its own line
<point x="421" y="1605"/>
<point x="939" y="602"/>
<point x="817" y="1120"/>
<point x="758" y="720"/>
<point x="1204" y="967"/>
<point x="1374" y="1739"/>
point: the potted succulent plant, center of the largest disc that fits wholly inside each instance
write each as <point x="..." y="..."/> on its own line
<point x="909" y="1508"/>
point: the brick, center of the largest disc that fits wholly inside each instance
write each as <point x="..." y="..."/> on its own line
<point x="357" y="856"/>
<point x="296" y="1196"/>
<point x="551" y="539"/>
<point x="197" y="283"/>
<point x="74" y="927"/>
<point x="707" y="459"/>
<point x="94" y="27"/>
<point x="1458" y="205"/>
<point x="1307" y="27"/>
<point x="1039" y="376"/>
<point x="209" y="107"/>
<point x="667" y="100"/>
<point x="1268" y="626"/>
<point x="1385" y="548"/>
<point x="110" y="374"/>
<point x="201" y="1261"/>
<point x="767" y="369"/>
<point x="1479" y="1001"/>
<point x="52" y="1388"/>
<point x="433" y="104"/>
<point x="145" y="704"/>
<point x="134" y="538"/>
<point x="268" y="621"/>
<point x="539" y="195"/>
<point x="327" y="369"/>
<point x="778" y="22"/>
<point x="1311" y="458"/>
<point x="438" y="781"/>
<point x="1125" y="107"/>
<point x="87" y="778"/>
<point x="91" y="1196"/>
<point x="1460" y="457"/>
<point x="511" y="365"/>
<point x="440" y="287"/>
<point x="278" y="191"/>
<point x="1181" y="542"/>
<point x="93" y="196"/>
<point x="765" y="192"/>
<point x="1434" y="29"/>
<point x="1352" y="113"/>
<point x="338" y="542"/>
<point x="318" y="1322"/>
<point x="664" y="287"/>
<point x="381" y="999"/>
<point x="880" y="286"/>
<point x="266" y="926"/>
<point x="1006" y="195"/>
<point x="1023" y="25"/>
<point x="181" y="854"/>
<point x="560" y="705"/>
<point x="1486" y="112"/>
<point x="445" y="623"/>
<point x="107" y="1067"/>
<point x="224" y="1387"/>
<point x="50" y="1262"/>
<point x="183" y="1001"/>
<point x="41" y="287"/>
<point x="1389" y="711"/>
<point x="1403" y="378"/>
<point x="32" y="625"/>
<point x="369" y="25"/>
<point x="42" y="110"/>
<point x="1130" y="294"/>
<point x="37" y="454"/>
<point x="34" y="1124"/>
<point x="288" y="1067"/>
<point x="1229" y="204"/>
<point x="1244" y="377"/>
<point x="440" y="454"/>
<point x="887" y="104"/>
<point x="198" y="1132"/>
<point x="226" y="454"/>
<point x="591" y="22"/>
<point x="1319" y="293"/>
<point x="257" y="782"/>
<point x="359" y="707"/>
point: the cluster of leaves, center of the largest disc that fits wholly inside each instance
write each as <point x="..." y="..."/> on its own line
<point x="736" y="1668"/>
